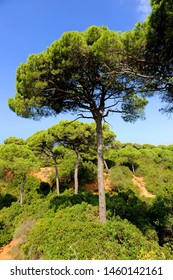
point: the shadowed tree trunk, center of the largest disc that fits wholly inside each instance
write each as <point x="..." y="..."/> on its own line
<point x="100" y="176"/>
<point x="76" y="171"/>
<point x="56" y="176"/>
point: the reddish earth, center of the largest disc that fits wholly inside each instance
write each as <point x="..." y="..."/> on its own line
<point x="93" y="187"/>
<point x="6" y="252"/>
<point x="44" y="174"/>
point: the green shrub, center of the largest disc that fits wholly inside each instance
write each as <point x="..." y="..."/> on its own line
<point x="161" y="216"/>
<point x="87" y="172"/>
<point x="7" y="222"/>
<point x="129" y="206"/>
<point x="121" y="178"/>
<point x="71" y="235"/>
<point x="68" y="198"/>
<point x="5" y="234"/>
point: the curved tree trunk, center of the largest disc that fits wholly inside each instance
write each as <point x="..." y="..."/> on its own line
<point x="76" y="171"/>
<point x="100" y="169"/>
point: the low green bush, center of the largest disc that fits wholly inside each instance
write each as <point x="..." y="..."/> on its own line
<point x="71" y="235"/>
<point x="7" y="222"/>
<point x="68" y="198"/>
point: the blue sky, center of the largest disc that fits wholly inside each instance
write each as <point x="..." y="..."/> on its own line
<point x="29" y="26"/>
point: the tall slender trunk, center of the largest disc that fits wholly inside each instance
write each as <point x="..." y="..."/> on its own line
<point x="56" y="177"/>
<point x="76" y="171"/>
<point x="106" y="166"/>
<point x="22" y="189"/>
<point x="100" y="169"/>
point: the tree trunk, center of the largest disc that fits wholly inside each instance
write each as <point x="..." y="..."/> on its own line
<point x="56" y="177"/>
<point x="22" y="190"/>
<point x="106" y="166"/>
<point x="100" y="169"/>
<point x="76" y="171"/>
<point x="133" y="169"/>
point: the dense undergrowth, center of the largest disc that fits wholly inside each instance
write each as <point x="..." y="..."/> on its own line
<point x="68" y="226"/>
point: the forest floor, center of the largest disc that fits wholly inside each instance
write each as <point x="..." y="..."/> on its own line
<point x="11" y="250"/>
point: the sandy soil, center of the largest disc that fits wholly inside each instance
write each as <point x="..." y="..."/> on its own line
<point x="140" y="184"/>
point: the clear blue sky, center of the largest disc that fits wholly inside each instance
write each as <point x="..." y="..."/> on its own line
<point x="29" y="26"/>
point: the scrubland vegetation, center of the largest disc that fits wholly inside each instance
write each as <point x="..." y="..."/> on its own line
<point x="67" y="225"/>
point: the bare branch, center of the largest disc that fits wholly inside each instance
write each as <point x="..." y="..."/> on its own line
<point x="84" y="117"/>
<point x="113" y="111"/>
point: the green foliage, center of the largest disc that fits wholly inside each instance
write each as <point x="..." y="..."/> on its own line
<point x="158" y="177"/>
<point x="87" y="172"/>
<point x="121" y="177"/>
<point x="14" y="140"/>
<point x="82" y="75"/>
<point x="83" y="70"/>
<point x="128" y="156"/>
<point x="7" y="222"/>
<point x="44" y="145"/>
<point x="159" y="50"/>
<point x="68" y="236"/>
<point x="76" y="135"/>
<point x="67" y="226"/>
<point x="66" y="167"/>
<point x="161" y="215"/>
<point x="68" y="198"/>
<point x="126" y="204"/>
<point x="5" y="234"/>
<point x="17" y="158"/>
<point x="35" y="189"/>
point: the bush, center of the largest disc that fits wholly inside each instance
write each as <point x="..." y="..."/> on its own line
<point x="68" y="198"/>
<point x="5" y="234"/>
<point x="87" y="172"/>
<point x="32" y="190"/>
<point x="7" y="222"/>
<point x="121" y="178"/>
<point x="128" y="206"/>
<point x="161" y="216"/>
<point x="71" y="235"/>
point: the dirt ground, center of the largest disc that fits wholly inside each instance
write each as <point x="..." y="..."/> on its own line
<point x="140" y="184"/>
<point x="6" y="252"/>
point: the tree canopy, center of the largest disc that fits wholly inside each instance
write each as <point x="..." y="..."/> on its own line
<point x="159" y="50"/>
<point x="19" y="160"/>
<point x="81" y="70"/>
<point x="45" y="144"/>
